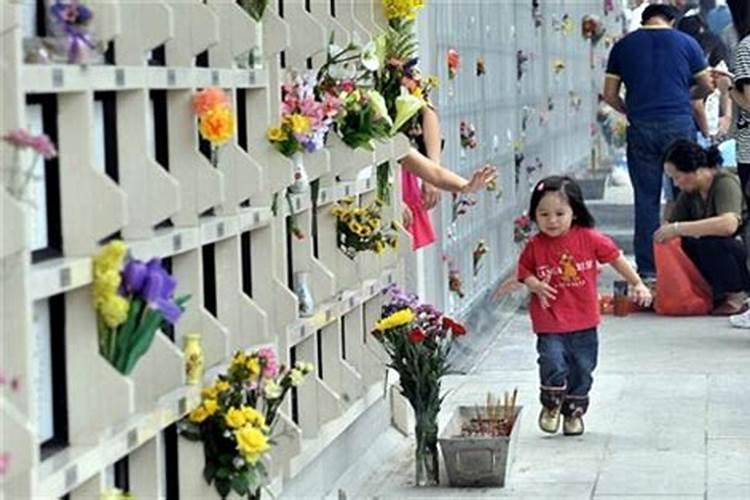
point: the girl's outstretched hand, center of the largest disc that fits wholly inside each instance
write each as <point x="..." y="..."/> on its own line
<point x="543" y="290"/>
<point x="641" y="295"/>
<point x="506" y="287"/>
<point x="480" y="179"/>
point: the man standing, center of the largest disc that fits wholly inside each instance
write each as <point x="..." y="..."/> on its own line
<point x="657" y="65"/>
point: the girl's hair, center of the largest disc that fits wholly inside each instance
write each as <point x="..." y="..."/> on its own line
<point x="570" y="191"/>
<point x="688" y="156"/>
<point x="741" y="16"/>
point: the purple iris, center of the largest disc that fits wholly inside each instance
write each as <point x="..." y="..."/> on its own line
<point x="153" y="284"/>
<point x="72" y="17"/>
<point x="158" y="291"/>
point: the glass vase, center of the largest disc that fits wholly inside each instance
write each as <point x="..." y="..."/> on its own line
<point x="426" y="452"/>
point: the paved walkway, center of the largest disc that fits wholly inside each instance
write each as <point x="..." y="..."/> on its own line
<point x="668" y="420"/>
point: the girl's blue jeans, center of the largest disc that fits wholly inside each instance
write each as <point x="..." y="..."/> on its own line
<point x="566" y="363"/>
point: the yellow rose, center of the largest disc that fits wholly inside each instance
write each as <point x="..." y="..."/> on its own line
<point x="251" y="442"/>
<point x="239" y="359"/>
<point x="253" y="366"/>
<point x="399" y="318"/>
<point x="209" y="393"/>
<point x="253" y="417"/>
<point x="235" y="418"/>
<point x="276" y="134"/>
<point x="222" y="386"/>
<point x="300" y="124"/>
<point x="211" y="406"/>
<point x="114" y="311"/>
<point x="198" y="415"/>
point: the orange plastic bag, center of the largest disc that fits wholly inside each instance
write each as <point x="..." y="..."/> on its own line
<point x="682" y="290"/>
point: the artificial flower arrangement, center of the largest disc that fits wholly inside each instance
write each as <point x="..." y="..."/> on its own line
<point x="460" y="205"/>
<point x="480" y="250"/>
<point x="216" y="120"/>
<point x="236" y="419"/>
<point x="592" y="28"/>
<point x="70" y="22"/>
<point x="521" y="228"/>
<point x="558" y="66"/>
<point x="417" y="338"/>
<point x="522" y="60"/>
<point x="468" y="134"/>
<point x="19" y="178"/>
<point x="453" y="59"/>
<point x="402" y="9"/>
<point x="305" y="120"/>
<point x="133" y="299"/>
<point x="254" y="8"/>
<point x="481" y="67"/>
<point x="361" y="229"/>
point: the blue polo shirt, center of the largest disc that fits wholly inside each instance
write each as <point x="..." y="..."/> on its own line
<point x="657" y="66"/>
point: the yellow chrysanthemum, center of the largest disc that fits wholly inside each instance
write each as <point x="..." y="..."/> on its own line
<point x="399" y="318"/>
<point x="355" y="227"/>
<point x="276" y="134"/>
<point x="300" y="124"/>
<point x="198" y="415"/>
<point x="239" y="359"/>
<point x="114" y="311"/>
<point x="379" y="247"/>
<point x="235" y="418"/>
<point x="217" y="125"/>
<point x="222" y="386"/>
<point x="252" y="443"/>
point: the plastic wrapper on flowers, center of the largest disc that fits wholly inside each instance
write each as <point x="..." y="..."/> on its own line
<point x="521" y="228"/>
<point x="417" y="338"/>
<point x="72" y="40"/>
<point x="361" y="229"/>
<point x="133" y="299"/>
<point x="236" y="418"/>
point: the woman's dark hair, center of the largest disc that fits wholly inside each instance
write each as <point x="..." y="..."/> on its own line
<point x="570" y="190"/>
<point x="688" y="156"/>
<point x="740" y="16"/>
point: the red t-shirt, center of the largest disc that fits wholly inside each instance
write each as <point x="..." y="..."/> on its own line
<point x="569" y="263"/>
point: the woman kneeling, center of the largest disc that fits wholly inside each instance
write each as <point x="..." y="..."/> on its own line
<point x="708" y="215"/>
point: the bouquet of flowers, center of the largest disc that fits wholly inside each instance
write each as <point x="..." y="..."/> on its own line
<point x="521" y="228"/>
<point x="19" y="178"/>
<point x="417" y="338"/>
<point x="216" y="120"/>
<point x="236" y="418"/>
<point x="305" y="120"/>
<point x="133" y="299"/>
<point x="592" y="28"/>
<point x="362" y="114"/>
<point x="360" y="229"/>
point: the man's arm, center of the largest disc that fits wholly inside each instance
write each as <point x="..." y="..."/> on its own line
<point x="611" y="93"/>
<point x="704" y="85"/>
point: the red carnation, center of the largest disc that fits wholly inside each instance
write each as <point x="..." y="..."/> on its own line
<point x="417" y="335"/>
<point x="458" y="329"/>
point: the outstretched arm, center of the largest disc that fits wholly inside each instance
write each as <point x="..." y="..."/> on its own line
<point x="432" y="141"/>
<point x="641" y="293"/>
<point x="432" y="172"/>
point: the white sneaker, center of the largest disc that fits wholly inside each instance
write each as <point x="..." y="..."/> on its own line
<point x="740" y="320"/>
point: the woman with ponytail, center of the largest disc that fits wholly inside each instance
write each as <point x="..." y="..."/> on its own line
<point x="709" y="215"/>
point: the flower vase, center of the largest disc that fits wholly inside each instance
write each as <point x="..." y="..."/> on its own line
<point x="303" y="293"/>
<point x="301" y="181"/>
<point x="193" y="359"/>
<point x="426" y="452"/>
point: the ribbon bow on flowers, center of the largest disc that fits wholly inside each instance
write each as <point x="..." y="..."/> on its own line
<point x="72" y="18"/>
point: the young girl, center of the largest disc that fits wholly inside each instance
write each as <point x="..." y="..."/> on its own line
<point x="559" y="267"/>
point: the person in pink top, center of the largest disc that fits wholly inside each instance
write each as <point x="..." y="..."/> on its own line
<point x="559" y="267"/>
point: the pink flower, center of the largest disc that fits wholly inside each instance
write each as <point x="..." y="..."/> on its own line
<point x="347" y="86"/>
<point x="209" y="98"/>
<point x="270" y="366"/>
<point x="40" y="143"/>
<point x="4" y="463"/>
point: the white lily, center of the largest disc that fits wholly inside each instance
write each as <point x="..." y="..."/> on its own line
<point x="369" y="57"/>
<point x="378" y="105"/>
<point x="407" y="106"/>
